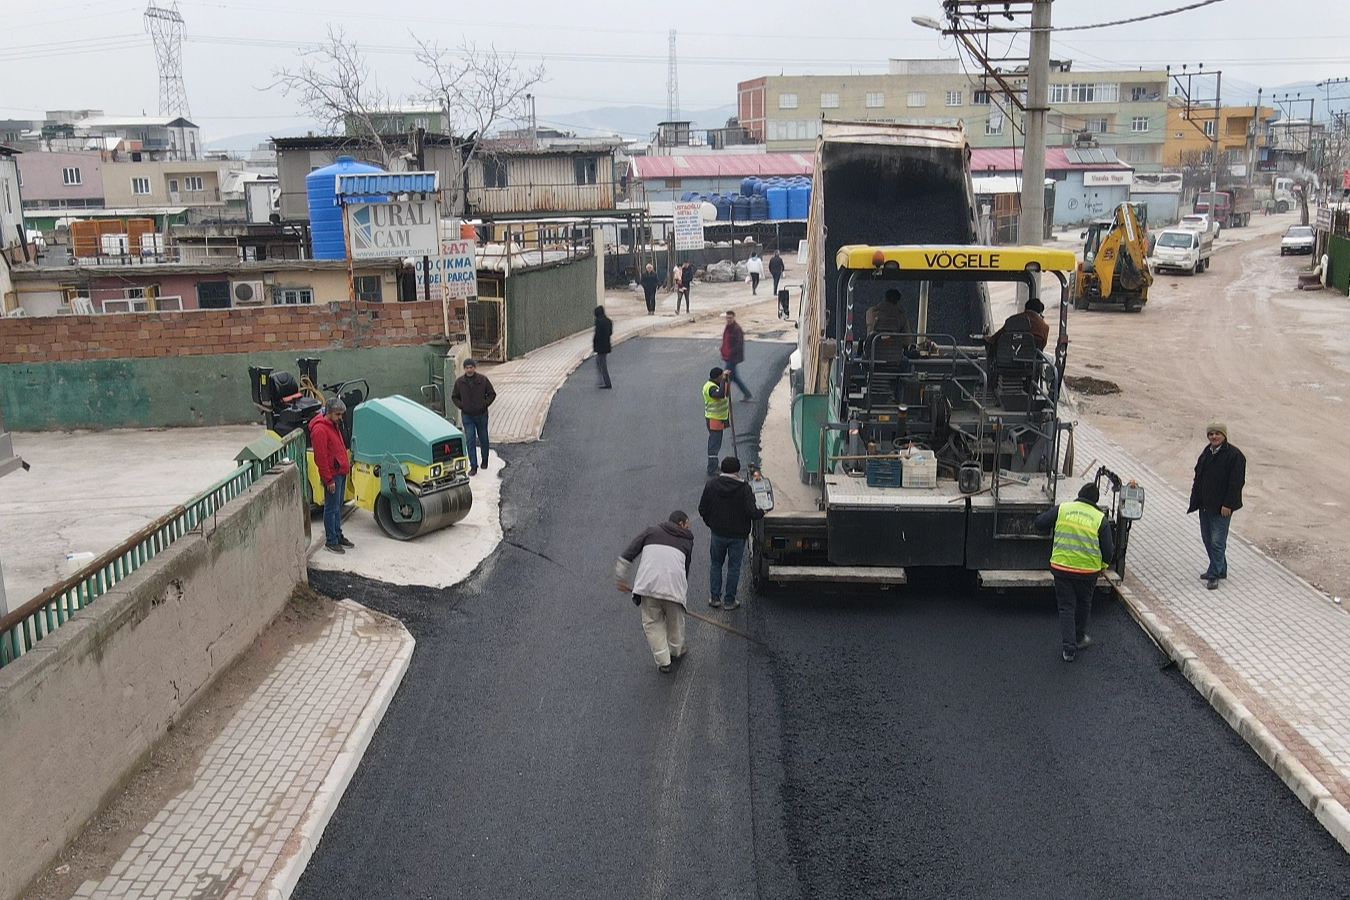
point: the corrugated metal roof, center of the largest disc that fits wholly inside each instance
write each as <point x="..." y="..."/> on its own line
<point x="1004" y="159"/>
<point x="368" y="184"/>
<point x="717" y="165"/>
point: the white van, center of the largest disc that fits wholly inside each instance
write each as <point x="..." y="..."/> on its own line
<point x="1182" y="250"/>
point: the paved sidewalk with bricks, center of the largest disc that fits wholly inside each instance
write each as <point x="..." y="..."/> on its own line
<point x="1270" y="652"/>
<point x="266" y="787"/>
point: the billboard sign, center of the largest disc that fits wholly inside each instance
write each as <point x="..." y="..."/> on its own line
<point x="394" y="229"/>
<point x="688" y="225"/>
<point x="454" y="273"/>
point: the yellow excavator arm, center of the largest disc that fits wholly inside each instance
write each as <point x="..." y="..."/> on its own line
<point x="1122" y="253"/>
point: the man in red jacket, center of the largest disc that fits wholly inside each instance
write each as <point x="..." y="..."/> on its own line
<point x="330" y="457"/>
<point x="733" y="352"/>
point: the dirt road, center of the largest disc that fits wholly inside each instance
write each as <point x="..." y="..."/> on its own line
<point x="1242" y="345"/>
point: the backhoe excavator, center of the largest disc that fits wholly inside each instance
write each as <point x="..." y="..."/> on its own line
<point x="1114" y="267"/>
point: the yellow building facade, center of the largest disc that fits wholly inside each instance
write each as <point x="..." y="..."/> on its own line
<point x="1190" y="135"/>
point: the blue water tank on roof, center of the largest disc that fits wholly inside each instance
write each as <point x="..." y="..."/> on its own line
<point x="325" y="215"/>
<point x="778" y="202"/>
<point x="759" y="208"/>
<point x="740" y="210"/>
<point x="798" y="200"/>
<point x="723" y="204"/>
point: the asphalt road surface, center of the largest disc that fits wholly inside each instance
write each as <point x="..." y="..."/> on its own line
<point x="923" y="743"/>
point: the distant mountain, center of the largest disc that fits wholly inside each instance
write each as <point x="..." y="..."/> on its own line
<point x="242" y="143"/>
<point x="633" y="122"/>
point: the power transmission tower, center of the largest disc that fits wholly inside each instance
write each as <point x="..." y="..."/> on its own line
<point x="165" y="26"/>
<point x="672" y="84"/>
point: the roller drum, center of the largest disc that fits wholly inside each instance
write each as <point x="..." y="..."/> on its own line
<point x="439" y="510"/>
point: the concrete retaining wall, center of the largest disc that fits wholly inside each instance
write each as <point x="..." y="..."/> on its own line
<point x="80" y="712"/>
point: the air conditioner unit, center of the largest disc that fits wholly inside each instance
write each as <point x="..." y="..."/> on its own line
<point x="247" y="293"/>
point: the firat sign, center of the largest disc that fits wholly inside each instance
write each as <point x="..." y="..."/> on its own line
<point x="399" y="228"/>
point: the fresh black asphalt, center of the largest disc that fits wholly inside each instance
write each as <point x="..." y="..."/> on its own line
<point x="926" y="742"/>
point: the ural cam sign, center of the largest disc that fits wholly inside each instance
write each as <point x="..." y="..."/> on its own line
<point x="393" y="229"/>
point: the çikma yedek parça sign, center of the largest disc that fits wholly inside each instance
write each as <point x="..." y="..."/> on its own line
<point x="397" y="228"/>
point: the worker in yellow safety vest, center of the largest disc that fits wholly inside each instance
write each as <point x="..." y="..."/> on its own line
<point x="717" y="412"/>
<point x="1081" y="548"/>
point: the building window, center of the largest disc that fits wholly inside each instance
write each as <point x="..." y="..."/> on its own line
<point x="423" y="124"/>
<point x="70" y="176"/>
<point x="494" y="173"/>
<point x="979" y="98"/>
<point x="140" y="185"/>
<point x="954" y="98"/>
<point x="787" y="101"/>
<point x="1139" y="124"/>
<point x="829" y="101"/>
<point x="368" y="288"/>
<point x="1235" y="156"/>
<point x="1208" y="125"/>
<point x="173" y="185"/>
<point x="994" y="124"/>
<point x="1138" y="93"/>
<point x="292" y="296"/>
<point x="793" y="129"/>
<point x="916" y="98"/>
<point x="876" y="99"/>
<point x="1096" y="126"/>
<point x="193" y="183"/>
<point x="587" y="169"/>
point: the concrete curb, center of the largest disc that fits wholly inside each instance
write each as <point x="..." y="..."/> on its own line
<point x="1311" y="793"/>
<point x="281" y="884"/>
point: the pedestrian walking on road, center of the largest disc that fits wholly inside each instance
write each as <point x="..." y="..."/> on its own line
<point x="655" y="568"/>
<point x="754" y="267"/>
<point x="649" y="285"/>
<point x="685" y="274"/>
<point x="333" y="463"/>
<point x="776" y="270"/>
<point x="600" y="343"/>
<point x="728" y="508"/>
<point x="733" y="352"/>
<point x="472" y="395"/>
<point x="1216" y="493"/>
<point x="716" y="414"/>
<point x="1081" y="547"/>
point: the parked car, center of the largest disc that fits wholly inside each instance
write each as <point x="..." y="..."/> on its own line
<point x="1200" y="222"/>
<point x="1298" y="239"/>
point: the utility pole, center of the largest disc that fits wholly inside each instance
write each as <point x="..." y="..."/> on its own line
<point x="1218" y="116"/>
<point x="1255" y="131"/>
<point x="1031" y="222"/>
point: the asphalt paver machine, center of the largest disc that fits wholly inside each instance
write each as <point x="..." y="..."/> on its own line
<point x="409" y="465"/>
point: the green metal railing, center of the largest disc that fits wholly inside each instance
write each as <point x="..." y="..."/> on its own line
<point x="21" y="629"/>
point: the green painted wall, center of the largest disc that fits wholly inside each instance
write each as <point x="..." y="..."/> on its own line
<point x="185" y="390"/>
<point x="547" y="305"/>
<point x="1338" y="262"/>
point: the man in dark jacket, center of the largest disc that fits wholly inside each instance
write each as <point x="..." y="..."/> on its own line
<point x="776" y="270"/>
<point x="472" y="396"/>
<point x="1030" y="319"/>
<point x="604" y="328"/>
<point x="733" y="351"/>
<point x="727" y="508"/>
<point x="1081" y="548"/>
<point x="649" y="285"/>
<point x="333" y="463"/>
<point x="655" y="567"/>
<point x="1216" y="493"/>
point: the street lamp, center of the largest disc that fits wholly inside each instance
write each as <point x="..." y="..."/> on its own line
<point x="926" y="22"/>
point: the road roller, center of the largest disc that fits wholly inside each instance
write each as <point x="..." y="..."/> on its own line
<point x="409" y="466"/>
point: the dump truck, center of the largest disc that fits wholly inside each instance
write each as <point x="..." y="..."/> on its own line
<point x="931" y="447"/>
<point x="1231" y="207"/>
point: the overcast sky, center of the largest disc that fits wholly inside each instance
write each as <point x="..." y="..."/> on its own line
<point x="61" y="54"/>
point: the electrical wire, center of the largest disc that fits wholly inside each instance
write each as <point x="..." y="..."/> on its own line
<point x="1144" y="18"/>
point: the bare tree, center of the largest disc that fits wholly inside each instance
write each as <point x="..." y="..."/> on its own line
<point x="335" y="85"/>
<point x="477" y="91"/>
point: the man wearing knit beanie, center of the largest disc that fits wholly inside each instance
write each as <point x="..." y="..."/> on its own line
<point x="1216" y="493"/>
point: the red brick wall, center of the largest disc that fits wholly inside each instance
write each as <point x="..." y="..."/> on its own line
<point x="207" y="331"/>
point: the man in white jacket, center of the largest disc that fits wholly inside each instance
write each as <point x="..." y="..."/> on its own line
<point x="655" y="567"/>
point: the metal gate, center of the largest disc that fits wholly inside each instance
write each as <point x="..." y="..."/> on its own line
<point x="487" y="328"/>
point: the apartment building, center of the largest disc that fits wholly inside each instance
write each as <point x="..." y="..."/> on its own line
<point x="1190" y="135"/>
<point x="1124" y="111"/>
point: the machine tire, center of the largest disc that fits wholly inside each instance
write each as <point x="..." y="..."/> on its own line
<point x="449" y="507"/>
<point x="1282" y="207"/>
<point x="1131" y="305"/>
<point x="1084" y="304"/>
